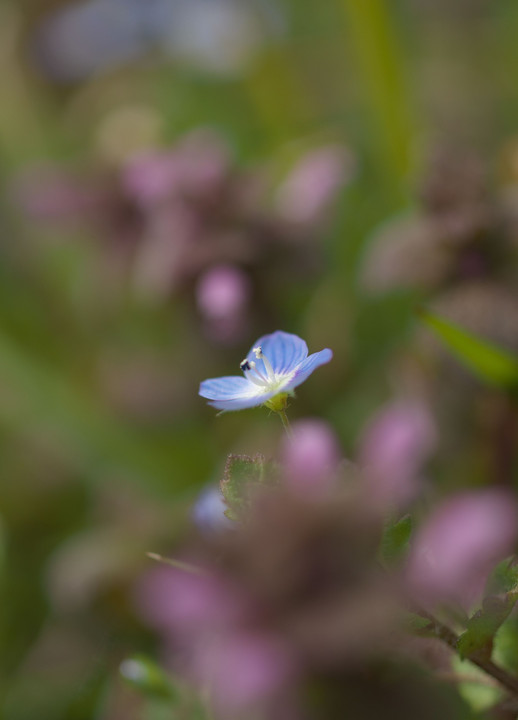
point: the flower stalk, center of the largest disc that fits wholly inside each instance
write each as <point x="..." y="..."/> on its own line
<point x="508" y="681"/>
<point x="286" y="423"/>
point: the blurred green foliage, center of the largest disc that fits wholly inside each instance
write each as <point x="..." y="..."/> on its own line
<point x="91" y="478"/>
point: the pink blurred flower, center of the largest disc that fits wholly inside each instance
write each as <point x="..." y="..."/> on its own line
<point x="52" y="194"/>
<point x="150" y="178"/>
<point x="222" y="292"/>
<point x="242" y="670"/>
<point x="181" y="603"/>
<point x="204" y="621"/>
<point x="311" y="457"/>
<point x="312" y="186"/>
<point x="457" y="547"/>
<point x="196" y="168"/>
<point x="394" y="447"/>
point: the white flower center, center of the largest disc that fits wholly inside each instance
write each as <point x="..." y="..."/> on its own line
<point x="267" y="382"/>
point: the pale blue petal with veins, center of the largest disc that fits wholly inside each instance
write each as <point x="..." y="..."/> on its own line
<point x="277" y="363"/>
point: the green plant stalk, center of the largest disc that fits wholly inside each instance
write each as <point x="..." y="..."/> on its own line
<point x="286" y="423"/>
<point x="443" y="632"/>
<point x="381" y="65"/>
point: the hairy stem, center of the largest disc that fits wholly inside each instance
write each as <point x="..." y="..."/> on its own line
<point x="504" y="678"/>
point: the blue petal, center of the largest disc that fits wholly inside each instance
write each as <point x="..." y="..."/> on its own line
<point x="242" y="403"/>
<point x="308" y="366"/>
<point x="233" y="393"/>
<point x="284" y="351"/>
<point x="232" y="386"/>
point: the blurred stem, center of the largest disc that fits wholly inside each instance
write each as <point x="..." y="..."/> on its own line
<point x="178" y="564"/>
<point x="444" y="633"/>
<point x="286" y="423"/>
<point x="381" y="64"/>
<point x="21" y="111"/>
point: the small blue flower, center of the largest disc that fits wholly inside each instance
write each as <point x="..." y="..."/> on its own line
<point x="209" y="512"/>
<point x="274" y="366"/>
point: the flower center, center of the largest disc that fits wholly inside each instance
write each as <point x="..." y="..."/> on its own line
<point x="266" y="379"/>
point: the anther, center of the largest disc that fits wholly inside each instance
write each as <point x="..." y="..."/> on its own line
<point x="245" y="365"/>
<point x="258" y="352"/>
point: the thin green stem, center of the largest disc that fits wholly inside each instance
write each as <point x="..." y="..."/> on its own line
<point x="286" y="423"/>
<point x="506" y="679"/>
<point x="381" y="62"/>
<point x="186" y="567"/>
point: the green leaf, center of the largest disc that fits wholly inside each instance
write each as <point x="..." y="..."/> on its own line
<point x="504" y="577"/>
<point x="477" y="641"/>
<point x="2" y="548"/>
<point x="419" y="625"/>
<point x="242" y="475"/>
<point x="147" y="677"/>
<point x="475" y="687"/>
<point x="489" y="362"/>
<point x="394" y="542"/>
<point x="505" y="650"/>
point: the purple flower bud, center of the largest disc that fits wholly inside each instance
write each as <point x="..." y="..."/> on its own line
<point x="394" y="447"/>
<point x="310" y="458"/>
<point x="456" y="549"/>
<point x="310" y="189"/>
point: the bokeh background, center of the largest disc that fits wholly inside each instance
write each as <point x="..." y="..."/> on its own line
<point x="179" y="177"/>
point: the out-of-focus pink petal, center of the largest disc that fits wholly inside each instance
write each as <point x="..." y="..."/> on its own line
<point x="394" y="447"/>
<point x="55" y="195"/>
<point x="223" y="292"/>
<point x="223" y="295"/>
<point x="152" y="177"/>
<point x="187" y="604"/>
<point x="313" y="185"/>
<point x="457" y="547"/>
<point x="243" y="670"/>
<point x="310" y="458"/>
<point x="195" y="168"/>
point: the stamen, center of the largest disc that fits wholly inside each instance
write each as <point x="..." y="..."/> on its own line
<point x="257" y="371"/>
<point x="258" y="351"/>
<point x="252" y="373"/>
